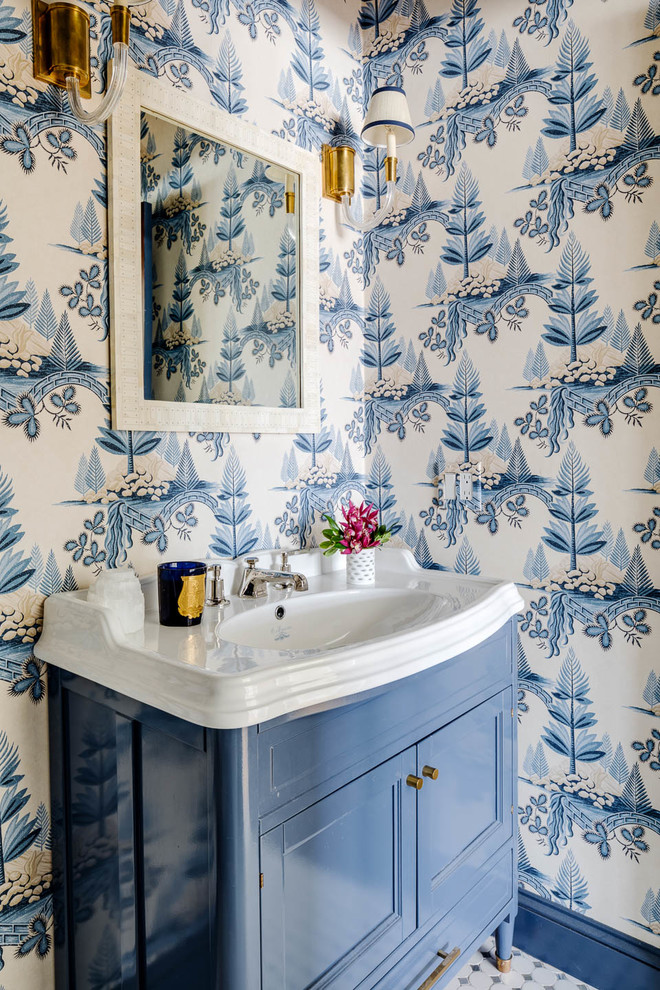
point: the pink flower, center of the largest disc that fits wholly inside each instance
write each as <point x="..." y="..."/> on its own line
<point x="360" y="524"/>
<point x="358" y="530"/>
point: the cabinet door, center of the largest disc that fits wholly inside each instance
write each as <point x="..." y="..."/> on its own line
<point x="465" y="814"/>
<point x="339" y="883"/>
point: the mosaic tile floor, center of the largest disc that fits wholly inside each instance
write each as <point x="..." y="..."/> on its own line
<point x="481" y="973"/>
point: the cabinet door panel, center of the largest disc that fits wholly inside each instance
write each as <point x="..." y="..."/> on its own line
<point x="464" y="815"/>
<point x="339" y="886"/>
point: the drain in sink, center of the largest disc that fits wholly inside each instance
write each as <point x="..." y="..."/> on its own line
<point x="280" y="612"/>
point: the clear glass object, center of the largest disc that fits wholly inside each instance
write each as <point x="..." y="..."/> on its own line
<point x="119" y="590"/>
<point x="111" y="97"/>
<point x="370" y="222"/>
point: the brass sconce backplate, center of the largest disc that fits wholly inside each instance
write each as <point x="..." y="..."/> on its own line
<point x="338" y="166"/>
<point x="60" y="34"/>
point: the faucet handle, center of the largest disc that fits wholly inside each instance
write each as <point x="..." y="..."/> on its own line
<point x="216" y="591"/>
<point x="284" y="562"/>
<point x="252" y="561"/>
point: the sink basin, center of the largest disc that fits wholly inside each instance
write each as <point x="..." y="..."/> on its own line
<point x="244" y="665"/>
<point x="334" y="619"/>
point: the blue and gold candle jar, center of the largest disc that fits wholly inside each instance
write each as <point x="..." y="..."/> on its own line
<point x="181" y="592"/>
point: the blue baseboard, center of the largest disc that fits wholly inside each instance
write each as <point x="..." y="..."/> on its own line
<point x="598" y="955"/>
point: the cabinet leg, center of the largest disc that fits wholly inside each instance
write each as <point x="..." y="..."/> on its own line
<point x="503" y="945"/>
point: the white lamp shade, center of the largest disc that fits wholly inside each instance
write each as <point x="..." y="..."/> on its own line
<point x="388" y="113"/>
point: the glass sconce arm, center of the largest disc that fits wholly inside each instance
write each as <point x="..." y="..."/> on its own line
<point x="370" y="222"/>
<point x="111" y="96"/>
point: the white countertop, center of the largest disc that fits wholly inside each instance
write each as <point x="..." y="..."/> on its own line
<point x="195" y="674"/>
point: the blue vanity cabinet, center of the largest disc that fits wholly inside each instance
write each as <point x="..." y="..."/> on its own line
<point x="297" y="854"/>
<point x="380" y="860"/>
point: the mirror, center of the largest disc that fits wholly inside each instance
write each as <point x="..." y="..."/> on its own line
<point x="220" y="233"/>
<point x="214" y="270"/>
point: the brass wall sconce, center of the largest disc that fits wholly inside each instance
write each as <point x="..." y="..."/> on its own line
<point x="338" y="171"/>
<point x="386" y="124"/>
<point x="61" y="32"/>
<point x="289" y="195"/>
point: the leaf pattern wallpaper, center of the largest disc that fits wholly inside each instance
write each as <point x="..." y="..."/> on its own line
<point x="505" y="318"/>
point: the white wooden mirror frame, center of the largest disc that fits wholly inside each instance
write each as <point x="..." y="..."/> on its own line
<point x="130" y="410"/>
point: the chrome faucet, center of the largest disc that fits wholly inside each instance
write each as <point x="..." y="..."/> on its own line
<point x="255" y="580"/>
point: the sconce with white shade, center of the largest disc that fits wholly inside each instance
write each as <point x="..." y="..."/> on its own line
<point x="386" y="125"/>
<point x="61" y="32"/>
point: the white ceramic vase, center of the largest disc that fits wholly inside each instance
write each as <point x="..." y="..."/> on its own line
<point x="361" y="567"/>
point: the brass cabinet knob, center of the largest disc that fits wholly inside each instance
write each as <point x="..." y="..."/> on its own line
<point x="431" y="772"/>
<point x="413" y="781"/>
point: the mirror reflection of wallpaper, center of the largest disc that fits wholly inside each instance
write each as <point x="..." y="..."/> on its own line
<point x="223" y="272"/>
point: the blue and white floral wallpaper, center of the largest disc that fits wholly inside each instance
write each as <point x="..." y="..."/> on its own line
<point x="505" y="319"/>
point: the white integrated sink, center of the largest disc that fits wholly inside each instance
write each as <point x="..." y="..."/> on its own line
<point x="334" y="619"/>
<point x="244" y="664"/>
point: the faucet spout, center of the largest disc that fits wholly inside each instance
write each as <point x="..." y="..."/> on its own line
<point x="255" y="580"/>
